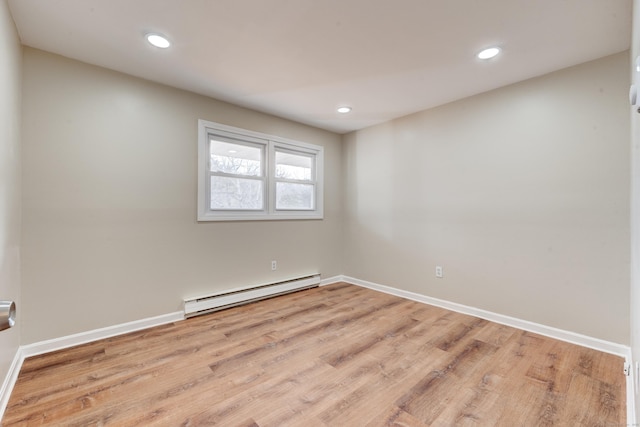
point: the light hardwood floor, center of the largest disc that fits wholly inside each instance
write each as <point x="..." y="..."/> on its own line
<point x="340" y="355"/>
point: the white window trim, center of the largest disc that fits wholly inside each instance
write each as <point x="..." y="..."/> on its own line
<point x="271" y="143"/>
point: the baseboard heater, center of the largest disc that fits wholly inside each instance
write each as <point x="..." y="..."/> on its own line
<point x="210" y="303"/>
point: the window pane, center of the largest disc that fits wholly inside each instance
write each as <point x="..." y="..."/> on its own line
<point x="294" y="196"/>
<point x="293" y="166"/>
<point x="236" y="193"/>
<point x="237" y="159"/>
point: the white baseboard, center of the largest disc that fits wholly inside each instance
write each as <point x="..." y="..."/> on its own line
<point x="331" y="280"/>
<point x="559" y="334"/>
<point x="98" y="334"/>
<point x="10" y="381"/>
<point x="631" y="392"/>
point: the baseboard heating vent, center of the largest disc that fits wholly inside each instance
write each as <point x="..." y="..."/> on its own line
<point x="210" y="303"/>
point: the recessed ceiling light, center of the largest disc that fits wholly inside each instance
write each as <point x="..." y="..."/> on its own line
<point x="158" y="40"/>
<point x="344" y="110"/>
<point x="488" y="53"/>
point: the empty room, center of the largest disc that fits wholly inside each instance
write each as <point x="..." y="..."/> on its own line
<point x="327" y="213"/>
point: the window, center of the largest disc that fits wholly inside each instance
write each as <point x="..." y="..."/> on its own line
<point x="244" y="175"/>
<point x="237" y="177"/>
<point x="295" y="189"/>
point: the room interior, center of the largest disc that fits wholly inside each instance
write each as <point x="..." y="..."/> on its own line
<point x="520" y="182"/>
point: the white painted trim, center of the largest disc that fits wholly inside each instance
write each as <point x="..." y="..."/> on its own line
<point x="98" y="334"/>
<point x="10" y="380"/>
<point x="549" y="331"/>
<point x="631" y="390"/>
<point x="269" y="143"/>
<point x="331" y="280"/>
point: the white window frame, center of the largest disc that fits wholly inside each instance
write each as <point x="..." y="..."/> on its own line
<point x="272" y="144"/>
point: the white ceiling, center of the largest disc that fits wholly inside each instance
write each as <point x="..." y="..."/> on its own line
<point x="301" y="59"/>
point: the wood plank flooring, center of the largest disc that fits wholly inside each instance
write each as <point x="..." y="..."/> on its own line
<point x="339" y="355"/>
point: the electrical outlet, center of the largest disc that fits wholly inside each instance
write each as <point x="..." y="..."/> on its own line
<point x="274" y="265"/>
<point x="439" y="272"/>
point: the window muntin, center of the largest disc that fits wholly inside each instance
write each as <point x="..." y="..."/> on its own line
<point x="245" y="175"/>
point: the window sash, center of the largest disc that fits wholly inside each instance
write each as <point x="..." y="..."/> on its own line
<point x="279" y="199"/>
<point x="238" y="177"/>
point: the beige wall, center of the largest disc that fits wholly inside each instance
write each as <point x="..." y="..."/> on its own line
<point x="521" y="194"/>
<point x="110" y="232"/>
<point x="10" y="85"/>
